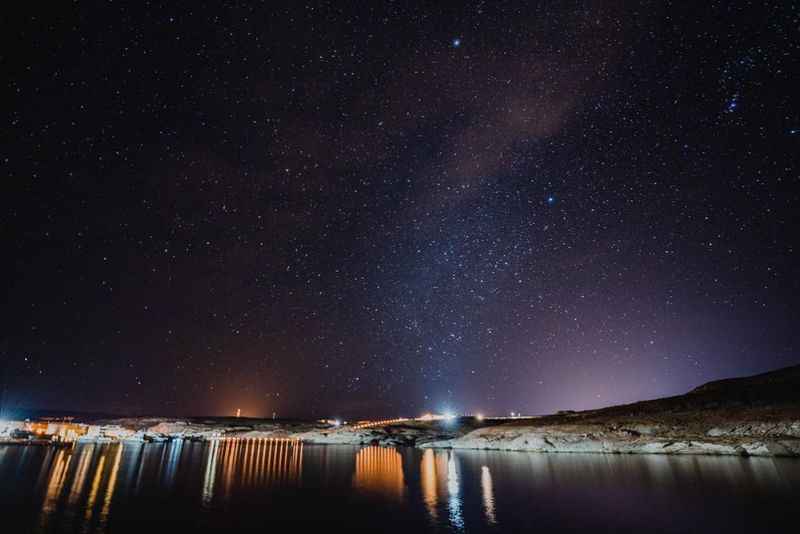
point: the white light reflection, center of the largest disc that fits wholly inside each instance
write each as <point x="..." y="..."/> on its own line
<point x="453" y="489"/>
<point x="488" y="495"/>
<point x="111" y="485"/>
<point x="174" y="449"/>
<point x="78" y="480"/>
<point x="211" y="473"/>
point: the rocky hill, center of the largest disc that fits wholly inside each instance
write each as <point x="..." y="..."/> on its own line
<point x="756" y="415"/>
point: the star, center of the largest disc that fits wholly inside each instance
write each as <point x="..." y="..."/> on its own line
<point x="733" y="103"/>
<point x="404" y="229"/>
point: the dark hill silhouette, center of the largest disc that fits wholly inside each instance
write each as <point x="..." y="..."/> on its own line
<point x="771" y="394"/>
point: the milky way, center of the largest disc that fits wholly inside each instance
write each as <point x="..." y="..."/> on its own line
<point x="381" y="210"/>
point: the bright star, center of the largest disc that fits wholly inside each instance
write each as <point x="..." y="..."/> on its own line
<point x="733" y="103"/>
<point x="456" y="42"/>
<point x="551" y="200"/>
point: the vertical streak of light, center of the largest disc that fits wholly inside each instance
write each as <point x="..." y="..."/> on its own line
<point x="296" y="462"/>
<point x="245" y="475"/>
<point x="428" y="480"/>
<point x="47" y="466"/>
<point x="268" y="451"/>
<point x="488" y="495"/>
<point x="54" y="486"/>
<point x="259" y="470"/>
<point x="292" y="456"/>
<point x="268" y="461"/>
<point x="272" y="454"/>
<point x="300" y="453"/>
<point x="211" y="472"/>
<point x="284" y="460"/>
<point x="251" y="462"/>
<point x="254" y="452"/>
<point x="111" y="486"/>
<point x="131" y="466"/>
<point x="264" y="460"/>
<point x="140" y="475"/>
<point x="380" y="470"/>
<point x="230" y="467"/>
<point x="162" y="463"/>
<point x="453" y="488"/>
<point x="173" y="458"/>
<point x="227" y="447"/>
<point x="300" y="465"/>
<point x="223" y="461"/>
<point x="256" y="461"/>
<point x="278" y="461"/>
<point x="253" y="467"/>
<point x="292" y="460"/>
<point x="98" y="473"/>
<point x="84" y="460"/>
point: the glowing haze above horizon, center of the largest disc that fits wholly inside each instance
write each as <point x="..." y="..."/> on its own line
<point x="323" y="210"/>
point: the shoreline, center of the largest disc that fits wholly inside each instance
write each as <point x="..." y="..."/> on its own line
<point x="750" y="438"/>
<point x="751" y="416"/>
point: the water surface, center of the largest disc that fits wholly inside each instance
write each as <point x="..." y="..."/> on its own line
<point x="258" y="485"/>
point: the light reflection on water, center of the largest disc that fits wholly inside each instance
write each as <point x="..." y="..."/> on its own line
<point x="430" y="481"/>
<point x="112" y="487"/>
<point x="453" y="489"/>
<point x="488" y="495"/>
<point x="380" y="470"/>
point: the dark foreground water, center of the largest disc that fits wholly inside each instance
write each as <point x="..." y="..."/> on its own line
<point x="283" y="486"/>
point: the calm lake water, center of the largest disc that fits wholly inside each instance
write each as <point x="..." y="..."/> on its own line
<point x="277" y="485"/>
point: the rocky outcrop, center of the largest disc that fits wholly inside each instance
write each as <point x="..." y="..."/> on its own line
<point x="751" y="416"/>
<point x="585" y="440"/>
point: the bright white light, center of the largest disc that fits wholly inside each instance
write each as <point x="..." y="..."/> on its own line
<point x="479" y="416"/>
<point x="449" y="416"/>
<point x="336" y="422"/>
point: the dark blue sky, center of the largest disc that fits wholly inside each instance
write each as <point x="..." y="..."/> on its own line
<point x="327" y="209"/>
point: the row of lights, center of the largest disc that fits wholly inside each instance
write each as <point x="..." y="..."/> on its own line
<point x="447" y="416"/>
<point x="380" y="423"/>
<point x="235" y="438"/>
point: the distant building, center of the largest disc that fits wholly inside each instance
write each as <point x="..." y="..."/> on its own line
<point x="62" y="430"/>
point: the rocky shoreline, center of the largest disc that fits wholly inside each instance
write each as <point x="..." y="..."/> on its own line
<point x="742" y="437"/>
<point x="753" y="416"/>
<point x="552" y="434"/>
<point x="566" y="439"/>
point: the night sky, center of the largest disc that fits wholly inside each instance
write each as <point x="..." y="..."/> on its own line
<point x="363" y="208"/>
